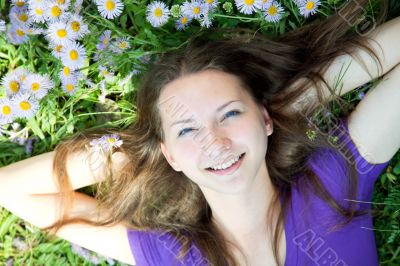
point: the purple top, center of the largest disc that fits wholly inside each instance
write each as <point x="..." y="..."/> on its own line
<point x="308" y="240"/>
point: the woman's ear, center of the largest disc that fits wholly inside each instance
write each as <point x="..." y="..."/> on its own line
<point x="169" y="158"/>
<point x="267" y="120"/>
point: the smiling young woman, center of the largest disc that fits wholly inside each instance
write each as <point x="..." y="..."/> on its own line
<point x="218" y="169"/>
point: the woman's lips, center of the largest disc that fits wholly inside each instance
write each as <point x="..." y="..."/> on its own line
<point x="230" y="169"/>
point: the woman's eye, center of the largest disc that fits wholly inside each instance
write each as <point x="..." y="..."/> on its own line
<point x="182" y="132"/>
<point x="234" y="112"/>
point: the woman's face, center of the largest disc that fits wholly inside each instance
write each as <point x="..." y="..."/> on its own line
<point x="223" y="122"/>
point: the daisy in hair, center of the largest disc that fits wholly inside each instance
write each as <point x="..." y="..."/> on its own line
<point x="59" y="33"/>
<point x="55" y="12"/>
<point x="25" y="104"/>
<point x="70" y="85"/>
<point x="110" y="9"/>
<point x="73" y="56"/>
<point x="273" y="12"/>
<point x="193" y="9"/>
<point x="105" y="39"/>
<point x="106" y="143"/>
<point x="211" y="4"/>
<point x="248" y="6"/>
<point x="38" y="85"/>
<point x="183" y="22"/>
<point x="6" y="111"/>
<point x="157" y="13"/>
<point x="308" y="7"/>
<point x="2" y="25"/>
<point x="12" y="83"/>
<point x="120" y="45"/>
<point x="36" y="11"/>
<point x="77" y="27"/>
<point x="206" y="19"/>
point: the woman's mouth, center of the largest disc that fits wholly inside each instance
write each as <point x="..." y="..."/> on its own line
<point x="229" y="169"/>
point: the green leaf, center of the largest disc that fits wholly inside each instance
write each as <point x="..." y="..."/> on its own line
<point x="392" y="178"/>
<point x="35" y="128"/>
<point x="396" y="169"/>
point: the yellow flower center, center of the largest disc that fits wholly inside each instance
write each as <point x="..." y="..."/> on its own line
<point x="105" y="41"/>
<point x="76" y="26"/>
<point x="69" y="87"/>
<point x="23" y="17"/>
<point x="6" y="110"/>
<point x="184" y="20"/>
<point x="310" y="5"/>
<point x="39" y="11"/>
<point x="20" y="3"/>
<point x="272" y="10"/>
<point x="20" y="32"/>
<point x="61" y="33"/>
<point x="55" y="11"/>
<point x="122" y="45"/>
<point x="35" y="86"/>
<point x="60" y="2"/>
<point x="66" y="71"/>
<point x="111" y="140"/>
<point x="14" y="86"/>
<point x="110" y="5"/>
<point x="196" y="10"/>
<point x="210" y="1"/>
<point x="249" y="2"/>
<point x="58" y="48"/>
<point x="25" y="105"/>
<point x="158" y="12"/>
<point x="73" y="55"/>
<point x="104" y="72"/>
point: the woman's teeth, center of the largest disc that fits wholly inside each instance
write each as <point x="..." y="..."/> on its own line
<point x="227" y="164"/>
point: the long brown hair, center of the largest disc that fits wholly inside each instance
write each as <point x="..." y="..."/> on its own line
<point x="147" y="194"/>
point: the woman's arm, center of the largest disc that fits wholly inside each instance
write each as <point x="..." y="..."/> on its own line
<point x="34" y="175"/>
<point x="28" y="191"/>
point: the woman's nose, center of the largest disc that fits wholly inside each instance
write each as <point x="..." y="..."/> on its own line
<point x="220" y="148"/>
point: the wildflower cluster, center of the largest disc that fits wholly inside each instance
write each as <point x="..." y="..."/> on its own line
<point x="204" y="11"/>
<point x="23" y="93"/>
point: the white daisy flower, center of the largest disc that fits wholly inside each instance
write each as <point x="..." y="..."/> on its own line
<point x="6" y="111"/>
<point x="309" y="7"/>
<point x="55" y="12"/>
<point x="273" y="13"/>
<point x="70" y="86"/>
<point x="105" y="72"/>
<point x="12" y="83"/>
<point x="21" y="73"/>
<point x="193" y="9"/>
<point x="105" y="39"/>
<point x="59" y="33"/>
<point x="38" y="85"/>
<point x="120" y="45"/>
<point x="77" y="27"/>
<point x="2" y="25"/>
<point x="20" y="17"/>
<point x="248" y="6"/>
<point x="157" y="13"/>
<point x="26" y="105"/>
<point x="110" y="9"/>
<point x="56" y="49"/>
<point x="211" y="4"/>
<point x="66" y="73"/>
<point x="63" y="3"/>
<point x="17" y="34"/>
<point x="183" y="22"/>
<point x="107" y="142"/>
<point x="73" y="56"/>
<point x="19" y="3"/>
<point x="36" y="12"/>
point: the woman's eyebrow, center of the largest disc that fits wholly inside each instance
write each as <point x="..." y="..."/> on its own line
<point x="191" y="120"/>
